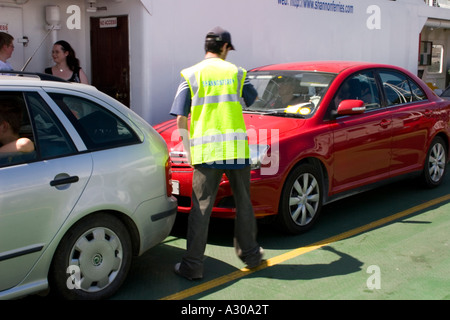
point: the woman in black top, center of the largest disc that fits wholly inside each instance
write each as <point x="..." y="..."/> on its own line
<point x="67" y="66"/>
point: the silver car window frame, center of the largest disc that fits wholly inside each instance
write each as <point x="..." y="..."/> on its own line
<point x="104" y="103"/>
<point x="79" y="144"/>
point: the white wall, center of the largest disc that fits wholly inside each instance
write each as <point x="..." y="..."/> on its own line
<point x="168" y="35"/>
<point x="35" y="29"/>
<point x="266" y="31"/>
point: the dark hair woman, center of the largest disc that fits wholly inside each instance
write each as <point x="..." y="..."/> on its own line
<point x="67" y="66"/>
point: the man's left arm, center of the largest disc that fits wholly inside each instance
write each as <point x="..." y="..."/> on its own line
<point x="249" y="92"/>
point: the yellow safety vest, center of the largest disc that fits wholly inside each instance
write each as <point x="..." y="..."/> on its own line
<point x="217" y="131"/>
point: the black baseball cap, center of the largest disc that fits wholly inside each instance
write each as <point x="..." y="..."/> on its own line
<point x="220" y="35"/>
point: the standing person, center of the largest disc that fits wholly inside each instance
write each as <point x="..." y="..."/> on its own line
<point x="67" y="65"/>
<point x="6" y="50"/>
<point x="216" y="143"/>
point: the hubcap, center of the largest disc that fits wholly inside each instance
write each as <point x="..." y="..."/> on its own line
<point x="436" y="163"/>
<point x="304" y="199"/>
<point x="98" y="253"/>
<point x="97" y="259"/>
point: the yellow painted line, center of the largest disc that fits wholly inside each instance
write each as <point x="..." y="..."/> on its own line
<point x="299" y="251"/>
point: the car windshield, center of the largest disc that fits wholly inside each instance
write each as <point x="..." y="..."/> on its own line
<point x="289" y="93"/>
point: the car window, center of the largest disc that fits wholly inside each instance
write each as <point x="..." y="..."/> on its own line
<point x="52" y="140"/>
<point x="289" y="92"/>
<point x="399" y="88"/>
<point x="98" y="127"/>
<point x="417" y="93"/>
<point x="446" y="93"/>
<point x="14" y="111"/>
<point x="360" y="86"/>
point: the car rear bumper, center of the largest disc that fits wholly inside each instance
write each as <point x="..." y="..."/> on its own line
<point x="155" y="220"/>
<point x="265" y="192"/>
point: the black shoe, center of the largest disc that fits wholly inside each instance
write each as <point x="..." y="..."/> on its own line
<point x="178" y="272"/>
<point x="255" y="260"/>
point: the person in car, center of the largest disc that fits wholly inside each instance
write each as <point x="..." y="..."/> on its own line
<point x="10" y="121"/>
<point x="286" y="90"/>
<point x="210" y="92"/>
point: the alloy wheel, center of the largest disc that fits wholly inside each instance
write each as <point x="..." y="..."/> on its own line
<point x="436" y="162"/>
<point x="304" y="199"/>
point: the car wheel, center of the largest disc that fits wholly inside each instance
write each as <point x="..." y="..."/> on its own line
<point x="92" y="260"/>
<point x="435" y="163"/>
<point x="301" y="199"/>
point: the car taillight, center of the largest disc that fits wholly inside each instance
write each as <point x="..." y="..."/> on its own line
<point x="168" y="177"/>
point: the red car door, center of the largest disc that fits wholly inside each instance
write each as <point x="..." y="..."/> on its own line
<point x="411" y="119"/>
<point x="362" y="150"/>
<point x="362" y="142"/>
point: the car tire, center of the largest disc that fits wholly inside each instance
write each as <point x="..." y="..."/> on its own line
<point x="92" y="260"/>
<point x="435" y="163"/>
<point x="301" y="199"/>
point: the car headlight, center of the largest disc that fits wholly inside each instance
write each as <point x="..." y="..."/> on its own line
<point x="257" y="153"/>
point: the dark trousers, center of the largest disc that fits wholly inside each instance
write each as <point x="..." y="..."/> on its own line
<point x="205" y="185"/>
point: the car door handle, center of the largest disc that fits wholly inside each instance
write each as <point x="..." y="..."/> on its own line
<point x="385" y="123"/>
<point x="428" y="113"/>
<point x="58" y="182"/>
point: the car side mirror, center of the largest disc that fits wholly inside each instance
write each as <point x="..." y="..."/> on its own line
<point x="349" y="107"/>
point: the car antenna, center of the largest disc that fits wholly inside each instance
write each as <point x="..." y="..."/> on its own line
<point x="29" y="59"/>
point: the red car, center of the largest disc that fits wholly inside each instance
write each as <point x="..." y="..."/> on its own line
<point x="321" y="131"/>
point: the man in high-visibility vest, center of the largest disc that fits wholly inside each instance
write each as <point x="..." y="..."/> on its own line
<point x="216" y="143"/>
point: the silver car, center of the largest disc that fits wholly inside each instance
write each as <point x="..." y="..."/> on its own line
<point x="95" y="191"/>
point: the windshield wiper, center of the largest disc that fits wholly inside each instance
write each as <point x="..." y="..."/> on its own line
<point x="252" y="111"/>
<point x="275" y="113"/>
<point x="285" y="114"/>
